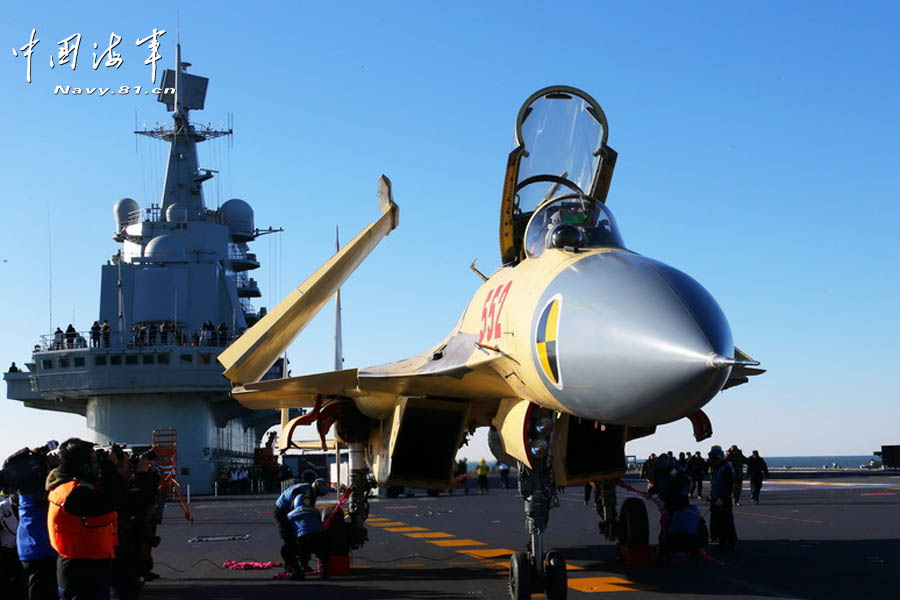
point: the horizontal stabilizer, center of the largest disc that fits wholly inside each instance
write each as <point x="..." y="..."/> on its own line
<point x="254" y="353"/>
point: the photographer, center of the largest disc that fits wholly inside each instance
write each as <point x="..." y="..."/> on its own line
<point x="25" y="472"/>
<point x="83" y="492"/>
<point x="12" y="580"/>
<point x="137" y="503"/>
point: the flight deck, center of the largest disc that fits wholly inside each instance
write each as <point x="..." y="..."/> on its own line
<point x="808" y="538"/>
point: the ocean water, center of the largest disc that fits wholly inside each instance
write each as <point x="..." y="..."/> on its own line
<point x="817" y="462"/>
<point x="811" y="462"/>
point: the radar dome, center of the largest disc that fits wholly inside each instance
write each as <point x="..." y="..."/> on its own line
<point x="176" y="213"/>
<point x="126" y="211"/>
<point x="238" y="215"/>
<point x="165" y="247"/>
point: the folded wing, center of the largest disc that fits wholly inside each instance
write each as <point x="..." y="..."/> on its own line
<point x="254" y="353"/>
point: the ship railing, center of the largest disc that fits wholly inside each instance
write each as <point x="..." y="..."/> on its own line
<point x="135" y="339"/>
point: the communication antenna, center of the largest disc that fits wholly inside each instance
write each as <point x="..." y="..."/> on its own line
<point x="338" y="354"/>
<point x="50" y="260"/>
<point x="338" y="341"/>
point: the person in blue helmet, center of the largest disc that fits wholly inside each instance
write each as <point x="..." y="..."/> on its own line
<point x="297" y="519"/>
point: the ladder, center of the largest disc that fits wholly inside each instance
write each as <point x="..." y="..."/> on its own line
<point x="165" y="444"/>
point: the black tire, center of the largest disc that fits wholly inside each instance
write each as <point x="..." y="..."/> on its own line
<point x="556" y="580"/>
<point x="519" y="576"/>
<point x="634" y="527"/>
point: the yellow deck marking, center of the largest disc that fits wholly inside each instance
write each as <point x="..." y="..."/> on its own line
<point x="373" y="519"/>
<point x="606" y="584"/>
<point x="450" y="543"/>
<point x="487" y="552"/>
<point x="388" y="524"/>
<point x="404" y="529"/>
<point x="505" y="564"/>
<point x="762" y="516"/>
<point x="430" y="534"/>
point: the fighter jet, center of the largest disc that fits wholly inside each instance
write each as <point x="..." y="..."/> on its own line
<point x="571" y="349"/>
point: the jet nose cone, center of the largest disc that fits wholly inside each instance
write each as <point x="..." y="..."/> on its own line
<point x="638" y="342"/>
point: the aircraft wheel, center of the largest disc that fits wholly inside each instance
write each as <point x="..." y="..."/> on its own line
<point x="556" y="581"/>
<point x="520" y="576"/>
<point x="634" y="527"/>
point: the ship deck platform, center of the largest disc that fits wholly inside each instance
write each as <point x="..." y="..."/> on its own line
<point x="815" y="537"/>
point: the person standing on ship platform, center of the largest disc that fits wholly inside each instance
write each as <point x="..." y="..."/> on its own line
<point x="71" y="334"/>
<point x="757" y="470"/>
<point x="105" y="330"/>
<point x="95" y="335"/>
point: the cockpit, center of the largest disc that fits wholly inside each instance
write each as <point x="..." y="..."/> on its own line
<point x="571" y="222"/>
<point x="558" y="177"/>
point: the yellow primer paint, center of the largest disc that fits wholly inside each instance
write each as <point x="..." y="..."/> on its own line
<point x="606" y="584"/>
<point x="452" y="543"/>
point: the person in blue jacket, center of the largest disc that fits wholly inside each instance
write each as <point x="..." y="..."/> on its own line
<point x="300" y="525"/>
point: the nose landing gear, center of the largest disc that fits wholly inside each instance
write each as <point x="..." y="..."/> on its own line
<point x="525" y="579"/>
<point x="533" y="571"/>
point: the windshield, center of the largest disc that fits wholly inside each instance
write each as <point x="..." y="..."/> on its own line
<point x="562" y="134"/>
<point x="591" y="218"/>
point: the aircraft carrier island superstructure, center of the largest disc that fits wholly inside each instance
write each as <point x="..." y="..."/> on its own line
<point x="174" y="294"/>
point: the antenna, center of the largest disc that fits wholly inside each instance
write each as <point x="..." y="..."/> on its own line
<point x="338" y="338"/>
<point x="50" y="260"/>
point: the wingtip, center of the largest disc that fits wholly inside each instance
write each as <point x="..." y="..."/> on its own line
<point x="386" y="200"/>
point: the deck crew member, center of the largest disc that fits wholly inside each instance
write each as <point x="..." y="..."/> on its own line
<point x="721" y="517"/>
<point x="482" y="472"/>
<point x="289" y="521"/>
<point x="757" y="470"/>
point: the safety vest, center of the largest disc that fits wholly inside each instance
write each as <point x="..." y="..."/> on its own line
<point x="73" y="536"/>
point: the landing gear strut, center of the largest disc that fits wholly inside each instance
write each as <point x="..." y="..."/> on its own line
<point x="630" y="527"/>
<point x="534" y="571"/>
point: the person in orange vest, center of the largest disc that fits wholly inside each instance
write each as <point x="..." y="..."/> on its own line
<point x="82" y="520"/>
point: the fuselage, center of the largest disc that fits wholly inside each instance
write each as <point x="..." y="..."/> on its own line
<point x="604" y="334"/>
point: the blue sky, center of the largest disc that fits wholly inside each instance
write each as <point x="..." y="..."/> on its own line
<point x="757" y="152"/>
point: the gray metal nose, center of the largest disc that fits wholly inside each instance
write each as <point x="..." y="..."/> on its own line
<point x="639" y="343"/>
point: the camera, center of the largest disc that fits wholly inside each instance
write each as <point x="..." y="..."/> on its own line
<point x="26" y="468"/>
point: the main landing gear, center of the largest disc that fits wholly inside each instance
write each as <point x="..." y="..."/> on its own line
<point x="630" y="528"/>
<point x="534" y="571"/>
